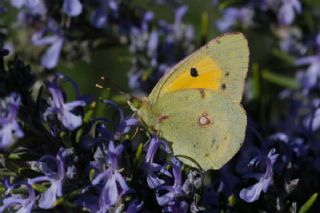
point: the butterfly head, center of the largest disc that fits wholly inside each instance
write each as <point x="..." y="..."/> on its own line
<point x="134" y="103"/>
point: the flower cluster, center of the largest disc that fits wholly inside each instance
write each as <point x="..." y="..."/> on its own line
<point x="154" y="43"/>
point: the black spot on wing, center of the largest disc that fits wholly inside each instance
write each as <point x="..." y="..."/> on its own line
<point x="194" y="72"/>
<point x="223" y="86"/>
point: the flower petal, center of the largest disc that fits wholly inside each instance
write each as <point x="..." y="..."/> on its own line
<point x="72" y="7"/>
<point x="50" y="59"/>
<point x="251" y="193"/>
<point x="48" y="198"/>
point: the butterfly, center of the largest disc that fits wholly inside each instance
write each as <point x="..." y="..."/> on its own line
<point x="196" y="105"/>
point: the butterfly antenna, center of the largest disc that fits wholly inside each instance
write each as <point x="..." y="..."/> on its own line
<point x="104" y="84"/>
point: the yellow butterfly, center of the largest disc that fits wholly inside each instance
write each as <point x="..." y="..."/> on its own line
<point x="196" y="106"/>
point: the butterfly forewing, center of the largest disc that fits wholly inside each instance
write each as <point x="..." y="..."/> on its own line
<point x="221" y="66"/>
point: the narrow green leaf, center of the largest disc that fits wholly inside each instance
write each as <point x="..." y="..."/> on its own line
<point x="58" y="201"/>
<point x="256" y="81"/>
<point x="14" y="156"/>
<point x="232" y="200"/>
<point x="146" y="74"/>
<point x="280" y="80"/>
<point x="6" y="172"/>
<point x="90" y="112"/>
<point x="2" y="189"/>
<point x="204" y="26"/>
<point x="225" y="4"/>
<point x="283" y="56"/>
<point x="91" y="174"/>
<point x="39" y="187"/>
<point x="138" y="154"/>
<point x="305" y="207"/>
<point x="78" y="135"/>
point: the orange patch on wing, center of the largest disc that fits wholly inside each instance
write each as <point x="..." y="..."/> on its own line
<point x="208" y="77"/>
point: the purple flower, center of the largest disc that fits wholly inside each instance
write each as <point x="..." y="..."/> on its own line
<point x="124" y="123"/>
<point x="179" y="14"/>
<point x="311" y="77"/>
<point x="280" y="136"/>
<point x="53" y="175"/>
<point x="172" y="198"/>
<point x="179" y="32"/>
<point x="153" y="44"/>
<point x="20" y="3"/>
<point x="72" y="7"/>
<point x="35" y="7"/>
<point x="17" y="202"/>
<point x="253" y="192"/>
<point x="286" y="13"/>
<point x="134" y="206"/>
<point x="50" y="59"/>
<point x="267" y="4"/>
<point x="100" y="16"/>
<point x="232" y="16"/>
<point x="153" y="168"/>
<point x="10" y="128"/>
<point x="105" y="132"/>
<point x="112" y="183"/>
<point x="313" y="121"/>
<point x="60" y="108"/>
<point x="140" y="37"/>
<point x="290" y="40"/>
<point x="148" y="44"/>
<point x="2" y="9"/>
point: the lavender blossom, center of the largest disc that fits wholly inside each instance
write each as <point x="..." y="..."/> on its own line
<point x="287" y="11"/>
<point x="61" y="109"/>
<point x="55" y="176"/>
<point x="231" y="16"/>
<point x="10" y="128"/>
<point x="113" y="184"/>
<point x="20" y="3"/>
<point x="124" y="123"/>
<point x="153" y="44"/>
<point x="311" y="77"/>
<point x="173" y="198"/>
<point x="2" y="9"/>
<point x="290" y="40"/>
<point x="50" y="59"/>
<point x="253" y="192"/>
<point x="107" y="130"/>
<point x="148" y="44"/>
<point x="72" y="7"/>
<point x="179" y="14"/>
<point x="312" y="121"/>
<point x="17" y="202"/>
<point x="35" y="7"/>
<point x="179" y="32"/>
<point x="100" y="16"/>
<point x="134" y="206"/>
<point x="153" y="168"/>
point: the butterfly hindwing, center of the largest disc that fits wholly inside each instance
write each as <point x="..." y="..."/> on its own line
<point x="201" y="124"/>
